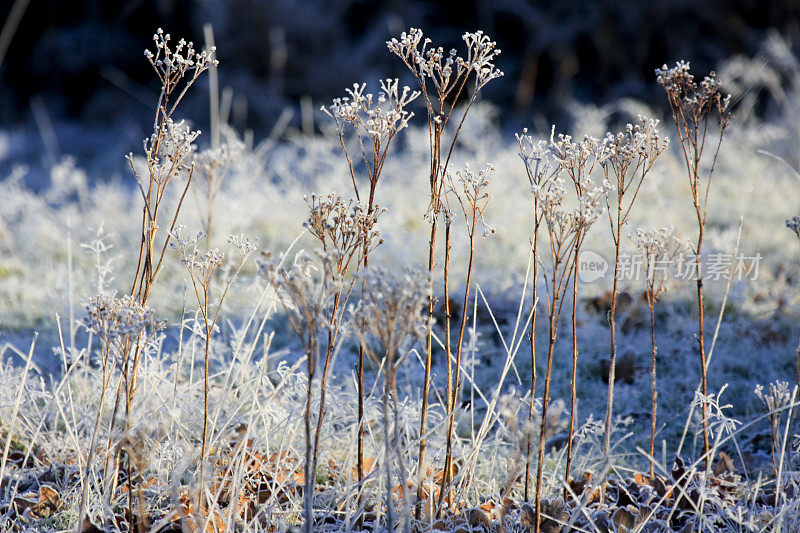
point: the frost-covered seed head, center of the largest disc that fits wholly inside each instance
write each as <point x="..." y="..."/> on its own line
<point x="172" y="64"/>
<point x="379" y="119"/>
<point x="537" y="157"/>
<point x="794" y="225"/>
<point x="116" y="319"/>
<point x="659" y="247"/>
<point x="344" y="228"/>
<point x="685" y="93"/>
<point x="778" y="397"/>
<point x="305" y="289"/>
<point x="629" y="155"/>
<point x="447" y="71"/>
<point x="469" y="188"/>
<point x="392" y="310"/>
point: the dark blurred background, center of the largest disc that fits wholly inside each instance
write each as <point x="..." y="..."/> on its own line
<point x="83" y="62"/>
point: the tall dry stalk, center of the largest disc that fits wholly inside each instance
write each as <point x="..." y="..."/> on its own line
<point x="442" y="79"/>
<point x="628" y="158"/>
<point x="201" y="268"/>
<point x="391" y="311"/>
<point x="539" y="168"/>
<point x="774" y="402"/>
<point x="374" y="123"/>
<point x="693" y="106"/>
<point x="563" y="226"/>
<point x="167" y="152"/>
<point x="470" y="193"/>
<point x="117" y="322"/>
<point x="304" y="289"/>
<point x="347" y="231"/>
<point x="577" y="160"/>
<point x="449" y="398"/>
<point x="659" y="249"/>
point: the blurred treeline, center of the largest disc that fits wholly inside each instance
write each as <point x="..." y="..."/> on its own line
<point x="84" y="60"/>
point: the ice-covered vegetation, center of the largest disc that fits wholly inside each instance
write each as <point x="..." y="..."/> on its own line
<point x="411" y="320"/>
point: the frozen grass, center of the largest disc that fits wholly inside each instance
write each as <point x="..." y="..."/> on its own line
<point x="77" y="237"/>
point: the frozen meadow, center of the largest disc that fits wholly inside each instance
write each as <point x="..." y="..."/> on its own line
<point x="194" y="404"/>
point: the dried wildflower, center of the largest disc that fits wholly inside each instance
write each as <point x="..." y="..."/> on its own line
<point x="577" y="160"/>
<point x="628" y="158"/>
<point x="537" y="157"/>
<point x="212" y="165"/>
<point x="346" y="231"/>
<point x="659" y="248"/>
<point x="778" y="397"/>
<point x="448" y="74"/>
<point x="391" y="311"/>
<point x="243" y="244"/>
<point x="693" y="106"/>
<point x="374" y="124"/>
<point x="564" y="225"/>
<point x="447" y="70"/>
<point x="684" y="92"/>
<point x="391" y="308"/>
<point x="173" y="64"/>
<point x="344" y="228"/>
<point x="201" y="268"/>
<point x="540" y="168"/>
<point x="168" y="149"/>
<point x="305" y="289"/>
<point x="379" y="118"/>
<point x="469" y="188"/>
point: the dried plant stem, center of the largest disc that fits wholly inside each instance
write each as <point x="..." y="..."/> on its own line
<point x="658" y="246"/>
<point x="177" y="71"/>
<point x="360" y="429"/>
<point x="204" y="443"/>
<point x="572" y="400"/>
<point x="399" y="452"/>
<point x="435" y="183"/>
<point x="552" y="320"/>
<point x="450" y="396"/>
<point x="538" y="163"/>
<point x="612" y="364"/>
<point x="333" y="332"/>
<point x="448" y="469"/>
<point x="93" y="442"/>
<point x="308" y="492"/>
<point x="423" y="419"/>
<point x="561" y="255"/>
<point x="375" y="123"/>
<point x="654" y="391"/>
<point x="534" y="300"/>
<point x="448" y="75"/>
<point x="703" y="364"/>
<point x="387" y="450"/>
